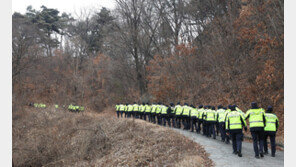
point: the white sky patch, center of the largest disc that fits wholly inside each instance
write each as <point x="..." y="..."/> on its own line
<point x="68" y="6"/>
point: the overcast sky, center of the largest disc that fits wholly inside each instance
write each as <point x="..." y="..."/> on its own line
<point x="68" y="6"/>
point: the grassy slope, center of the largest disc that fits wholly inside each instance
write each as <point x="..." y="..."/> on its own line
<point x="61" y="138"/>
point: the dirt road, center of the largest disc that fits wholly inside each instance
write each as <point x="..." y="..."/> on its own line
<point x="222" y="156"/>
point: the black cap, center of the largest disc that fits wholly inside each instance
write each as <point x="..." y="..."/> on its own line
<point x="200" y="106"/>
<point x="232" y="108"/>
<point x="254" y="105"/>
<point x="269" y="109"/>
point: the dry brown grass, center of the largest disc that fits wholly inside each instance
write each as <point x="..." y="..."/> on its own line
<point x="48" y="138"/>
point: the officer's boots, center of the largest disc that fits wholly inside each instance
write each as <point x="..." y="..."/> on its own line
<point x="239" y="153"/>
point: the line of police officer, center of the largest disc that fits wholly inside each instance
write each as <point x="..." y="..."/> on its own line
<point x="71" y="108"/>
<point x="229" y="122"/>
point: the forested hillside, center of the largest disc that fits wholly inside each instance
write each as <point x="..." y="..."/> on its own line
<point x="195" y="51"/>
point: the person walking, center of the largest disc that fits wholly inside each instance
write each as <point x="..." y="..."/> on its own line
<point x="164" y="114"/>
<point x="147" y="112"/>
<point x="117" y="109"/>
<point x="211" y="121"/>
<point x="234" y="125"/>
<point x="135" y="110"/>
<point x="257" y="122"/>
<point x="153" y="112"/>
<point x="178" y="111"/>
<point x="272" y="125"/>
<point x="194" y="117"/>
<point x="221" y="122"/>
<point x="171" y="113"/>
<point x="158" y="113"/>
<point x="185" y="116"/>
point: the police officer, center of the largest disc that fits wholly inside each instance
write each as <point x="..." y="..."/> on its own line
<point x="178" y="111"/>
<point x="129" y="110"/>
<point x="200" y="119"/>
<point x="216" y="124"/>
<point x="158" y="113"/>
<point x="204" y="122"/>
<point x="56" y="106"/>
<point x="153" y="110"/>
<point x="211" y="121"/>
<point x="77" y="109"/>
<point x="257" y="122"/>
<point x="81" y="108"/>
<point x="227" y="137"/>
<point x="185" y="116"/>
<point x="121" y="109"/>
<point x="117" y="110"/>
<point x="221" y="122"/>
<point x="234" y="125"/>
<point x="272" y="124"/>
<point x="240" y="111"/>
<point x="164" y="114"/>
<point x="142" y="109"/>
<point x="125" y="110"/>
<point x="227" y="111"/>
<point x="69" y="107"/>
<point x="194" y="117"/>
<point x="148" y="112"/>
<point x="135" y="110"/>
<point x="171" y="115"/>
<point x="206" y="125"/>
